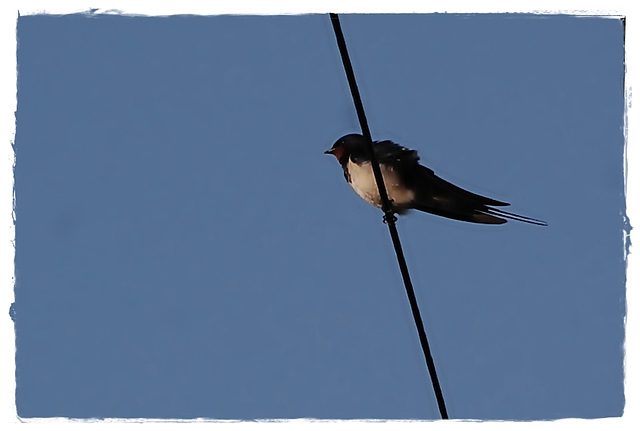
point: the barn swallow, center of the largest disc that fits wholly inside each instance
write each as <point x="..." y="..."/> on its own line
<point x="410" y="185"/>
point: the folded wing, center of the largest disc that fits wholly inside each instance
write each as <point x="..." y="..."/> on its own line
<point x="437" y="196"/>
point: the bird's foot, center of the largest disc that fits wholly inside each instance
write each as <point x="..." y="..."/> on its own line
<point x="389" y="217"/>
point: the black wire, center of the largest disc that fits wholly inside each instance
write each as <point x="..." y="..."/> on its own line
<point x="389" y="216"/>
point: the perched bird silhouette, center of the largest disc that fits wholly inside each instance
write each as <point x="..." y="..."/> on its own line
<point x="410" y="185"/>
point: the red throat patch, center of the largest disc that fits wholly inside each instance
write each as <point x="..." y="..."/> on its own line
<point x="338" y="152"/>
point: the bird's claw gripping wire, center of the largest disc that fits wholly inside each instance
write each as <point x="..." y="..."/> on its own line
<point x="389" y="213"/>
<point x="389" y="216"/>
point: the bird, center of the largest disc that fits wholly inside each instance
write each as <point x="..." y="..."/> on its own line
<point x="412" y="186"/>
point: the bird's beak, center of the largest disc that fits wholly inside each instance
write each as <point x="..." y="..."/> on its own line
<point x="330" y="151"/>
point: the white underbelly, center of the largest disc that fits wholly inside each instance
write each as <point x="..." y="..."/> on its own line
<point x="364" y="183"/>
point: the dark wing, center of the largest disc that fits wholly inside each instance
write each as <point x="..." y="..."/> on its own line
<point x="433" y="194"/>
<point x="386" y="152"/>
<point x="437" y="196"/>
<point x="392" y="153"/>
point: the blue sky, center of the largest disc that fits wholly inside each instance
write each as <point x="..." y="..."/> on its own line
<point x="184" y="249"/>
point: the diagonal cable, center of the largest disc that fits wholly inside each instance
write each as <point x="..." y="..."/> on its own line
<point x="389" y="217"/>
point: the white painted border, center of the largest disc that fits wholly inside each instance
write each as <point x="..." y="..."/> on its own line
<point x="8" y="18"/>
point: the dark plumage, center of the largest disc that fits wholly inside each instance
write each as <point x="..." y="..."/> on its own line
<point x="413" y="186"/>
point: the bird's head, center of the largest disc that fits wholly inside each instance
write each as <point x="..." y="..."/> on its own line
<point x="344" y="146"/>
